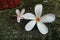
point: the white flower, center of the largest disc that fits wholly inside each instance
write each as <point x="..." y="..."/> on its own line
<point x="38" y="19"/>
<point x="20" y="14"/>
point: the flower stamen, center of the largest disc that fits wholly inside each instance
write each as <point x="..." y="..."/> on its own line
<point x="37" y="19"/>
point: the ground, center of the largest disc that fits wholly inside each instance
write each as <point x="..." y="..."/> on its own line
<point x="11" y="30"/>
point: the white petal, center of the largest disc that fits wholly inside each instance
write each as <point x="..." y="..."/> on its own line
<point x="17" y="12"/>
<point x="22" y="11"/>
<point x="18" y="19"/>
<point x="29" y="16"/>
<point x="48" y="18"/>
<point x="30" y="25"/>
<point x="42" y="28"/>
<point x="38" y="10"/>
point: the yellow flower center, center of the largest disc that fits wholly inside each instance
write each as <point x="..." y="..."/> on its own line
<point x="38" y="19"/>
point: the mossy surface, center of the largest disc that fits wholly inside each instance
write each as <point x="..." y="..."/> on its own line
<point x="11" y="30"/>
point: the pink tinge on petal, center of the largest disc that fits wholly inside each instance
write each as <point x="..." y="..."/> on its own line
<point x="18" y="19"/>
<point x="23" y="11"/>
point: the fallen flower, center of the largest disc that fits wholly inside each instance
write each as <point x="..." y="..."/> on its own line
<point x="38" y="19"/>
<point x="20" y="14"/>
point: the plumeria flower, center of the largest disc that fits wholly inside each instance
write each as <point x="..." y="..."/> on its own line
<point x="20" y="14"/>
<point x="38" y="20"/>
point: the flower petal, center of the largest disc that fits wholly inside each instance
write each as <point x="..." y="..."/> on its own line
<point x="17" y="12"/>
<point x="38" y="10"/>
<point x="29" y="16"/>
<point x="30" y="25"/>
<point x="48" y="18"/>
<point x="22" y="11"/>
<point x="42" y="28"/>
<point x="18" y="19"/>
